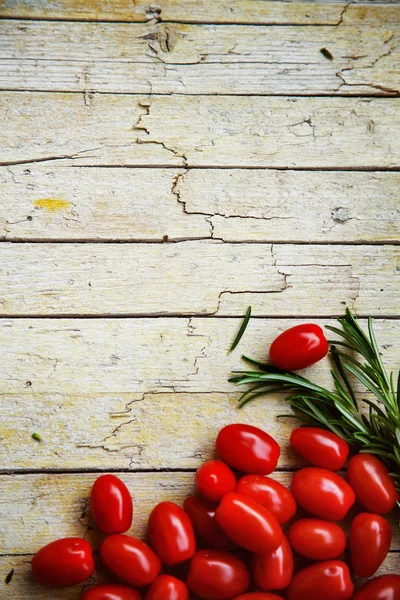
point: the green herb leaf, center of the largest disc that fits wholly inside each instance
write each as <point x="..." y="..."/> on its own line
<point x="36" y="437"/>
<point x="241" y="330"/>
<point x="9" y="576"/>
<point x="325" y="52"/>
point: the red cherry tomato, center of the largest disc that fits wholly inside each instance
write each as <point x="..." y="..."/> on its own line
<point x="269" y="493"/>
<point x="319" y="447"/>
<point x="214" y="479"/>
<point x="317" y="539"/>
<point x="130" y="559"/>
<point x="111" y="591"/>
<point x="369" y="542"/>
<point x="171" y="533"/>
<point x="248" y="524"/>
<point x="248" y="449"/>
<point x="328" y="580"/>
<point x="322" y="493"/>
<point x="65" y="562"/>
<point x="166" y="587"/>
<point x="298" y="347"/>
<point x="202" y="515"/>
<point x="111" y="505"/>
<point x="258" y="596"/>
<point x="217" y="575"/>
<point x="385" y="587"/>
<point x="273" y="571"/>
<point x="374" y="487"/>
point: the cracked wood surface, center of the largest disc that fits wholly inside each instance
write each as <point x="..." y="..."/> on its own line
<point x="192" y="59"/>
<point x="199" y="131"/>
<point x="197" y="278"/>
<point x="197" y="203"/>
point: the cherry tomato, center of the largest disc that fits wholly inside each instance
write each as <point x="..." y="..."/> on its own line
<point x="214" y="479"/>
<point x="171" y="533"/>
<point x="374" y="487"/>
<point x="269" y="493"/>
<point x="273" y="571"/>
<point x="111" y="505"/>
<point x="248" y="449"/>
<point x="258" y="596"/>
<point x="319" y="447"/>
<point x="317" y="539"/>
<point x="166" y="587"/>
<point x="248" y="524"/>
<point x="369" y="542"/>
<point x="217" y="575"/>
<point x="385" y="587"/>
<point x="130" y="559"/>
<point x="202" y="515"/>
<point x="65" y="562"/>
<point x="298" y="347"/>
<point x="322" y="493"/>
<point x="328" y="580"/>
<point x="111" y="591"/>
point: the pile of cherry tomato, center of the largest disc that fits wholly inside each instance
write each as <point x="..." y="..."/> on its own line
<point x="230" y="538"/>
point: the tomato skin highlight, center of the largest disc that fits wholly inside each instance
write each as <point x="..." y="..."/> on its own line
<point x="202" y="515"/>
<point x="298" y="347"/>
<point x="171" y="533"/>
<point x="320" y="447"/>
<point x="258" y="596"/>
<point x="248" y="524"/>
<point x="322" y="493"/>
<point x="166" y="587"/>
<point x="273" y="571"/>
<point x="214" y="479"/>
<point x="130" y="559"/>
<point x="369" y="542"/>
<point x="111" y="591"/>
<point x="217" y="575"/>
<point x="65" y="562"/>
<point x="317" y="539"/>
<point x="111" y="505"/>
<point x="385" y="587"/>
<point x="328" y="580"/>
<point x="269" y="493"/>
<point x="247" y="449"/>
<point x="373" y="486"/>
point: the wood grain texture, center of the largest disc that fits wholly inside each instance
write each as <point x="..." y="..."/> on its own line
<point x="202" y="59"/>
<point x="190" y="278"/>
<point x="199" y="131"/>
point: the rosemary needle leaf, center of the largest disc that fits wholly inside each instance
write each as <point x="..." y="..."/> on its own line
<point x="9" y="576"/>
<point x="242" y="329"/>
<point x="325" y="52"/>
<point x="36" y="437"/>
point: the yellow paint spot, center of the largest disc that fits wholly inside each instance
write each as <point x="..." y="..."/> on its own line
<point x="52" y="204"/>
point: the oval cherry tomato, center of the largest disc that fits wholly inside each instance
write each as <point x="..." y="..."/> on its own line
<point x="369" y="542"/>
<point x="111" y="505"/>
<point x="202" y="515"/>
<point x="217" y="575"/>
<point x="111" y="591"/>
<point x="248" y="449"/>
<point x="328" y="580"/>
<point x="322" y="493"/>
<point x="298" y="347"/>
<point x="258" y="596"/>
<point x="166" y="587"/>
<point x="319" y="447"/>
<point x="269" y="493"/>
<point x="385" y="587"/>
<point x="171" y="533"/>
<point x="65" y="562"/>
<point x="374" y="487"/>
<point x="214" y="479"/>
<point x="273" y="571"/>
<point x="130" y="559"/>
<point x="248" y="524"/>
<point x="317" y="539"/>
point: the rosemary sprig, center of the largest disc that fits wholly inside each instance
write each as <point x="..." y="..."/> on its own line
<point x="375" y="430"/>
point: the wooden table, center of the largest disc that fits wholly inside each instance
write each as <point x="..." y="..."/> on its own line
<point x="164" y="166"/>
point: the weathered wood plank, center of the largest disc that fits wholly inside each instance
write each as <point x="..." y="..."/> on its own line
<point x="164" y="59"/>
<point x="197" y="277"/>
<point x="193" y="11"/>
<point x="227" y="204"/>
<point x="199" y="130"/>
